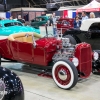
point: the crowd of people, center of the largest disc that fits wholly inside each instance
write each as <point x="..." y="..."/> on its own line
<point x="18" y="19"/>
<point x="78" y="20"/>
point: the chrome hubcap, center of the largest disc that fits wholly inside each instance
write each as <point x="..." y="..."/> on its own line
<point x="62" y="74"/>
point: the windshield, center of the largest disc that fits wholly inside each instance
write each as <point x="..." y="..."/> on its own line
<point x="13" y="24"/>
<point x="49" y="30"/>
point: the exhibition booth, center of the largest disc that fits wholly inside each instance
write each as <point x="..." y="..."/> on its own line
<point x="93" y="6"/>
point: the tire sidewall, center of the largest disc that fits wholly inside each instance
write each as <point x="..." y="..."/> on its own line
<point x="73" y="72"/>
<point x="72" y="40"/>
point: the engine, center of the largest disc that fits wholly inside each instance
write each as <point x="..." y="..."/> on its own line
<point x="66" y="51"/>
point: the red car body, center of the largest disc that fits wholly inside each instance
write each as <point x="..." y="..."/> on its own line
<point x="45" y="52"/>
<point x="25" y="52"/>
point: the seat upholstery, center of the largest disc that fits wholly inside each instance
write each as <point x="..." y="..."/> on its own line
<point x="24" y="37"/>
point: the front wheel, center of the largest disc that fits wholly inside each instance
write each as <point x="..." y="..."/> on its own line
<point x="65" y="74"/>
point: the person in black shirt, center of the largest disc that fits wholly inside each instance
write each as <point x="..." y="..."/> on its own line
<point x="50" y="21"/>
<point x="20" y="19"/>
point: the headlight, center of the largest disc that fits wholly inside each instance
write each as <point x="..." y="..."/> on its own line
<point x="95" y="56"/>
<point x="75" y="61"/>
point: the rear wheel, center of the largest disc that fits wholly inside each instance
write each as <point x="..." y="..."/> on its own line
<point x="65" y="74"/>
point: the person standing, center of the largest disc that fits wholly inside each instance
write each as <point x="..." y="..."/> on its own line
<point x="20" y="19"/>
<point x="77" y="22"/>
<point x="92" y="15"/>
<point x="54" y="19"/>
<point x="11" y="18"/>
<point x="50" y="21"/>
<point x="84" y="16"/>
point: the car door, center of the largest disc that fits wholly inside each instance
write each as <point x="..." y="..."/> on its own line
<point x="25" y="52"/>
<point x="5" y="31"/>
<point x="2" y="30"/>
<point x="14" y="49"/>
<point x="42" y="21"/>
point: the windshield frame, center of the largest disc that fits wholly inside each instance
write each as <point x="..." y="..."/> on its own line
<point x="49" y="31"/>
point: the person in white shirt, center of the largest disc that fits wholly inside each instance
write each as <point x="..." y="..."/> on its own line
<point x="84" y="16"/>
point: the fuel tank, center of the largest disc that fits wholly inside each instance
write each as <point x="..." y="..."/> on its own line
<point x="11" y="87"/>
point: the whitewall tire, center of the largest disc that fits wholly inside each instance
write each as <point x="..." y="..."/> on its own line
<point x="65" y="74"/>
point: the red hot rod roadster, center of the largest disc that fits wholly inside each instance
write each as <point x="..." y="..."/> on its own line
<point x="67" y="61"/>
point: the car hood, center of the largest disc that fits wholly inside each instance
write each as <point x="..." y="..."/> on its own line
<point x="17" y="29"/>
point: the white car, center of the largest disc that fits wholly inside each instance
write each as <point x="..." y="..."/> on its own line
<point x="90" y="24"/>
<point x="89" y="32"/>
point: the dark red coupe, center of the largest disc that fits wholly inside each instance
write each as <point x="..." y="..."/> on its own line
<point x="64" y="24"/>
<point x="67" y="61"/>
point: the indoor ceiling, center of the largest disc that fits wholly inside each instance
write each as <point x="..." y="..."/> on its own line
<point x="42" y="3"/>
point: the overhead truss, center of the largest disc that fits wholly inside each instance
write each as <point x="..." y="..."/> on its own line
<point x="42" y="3"/>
